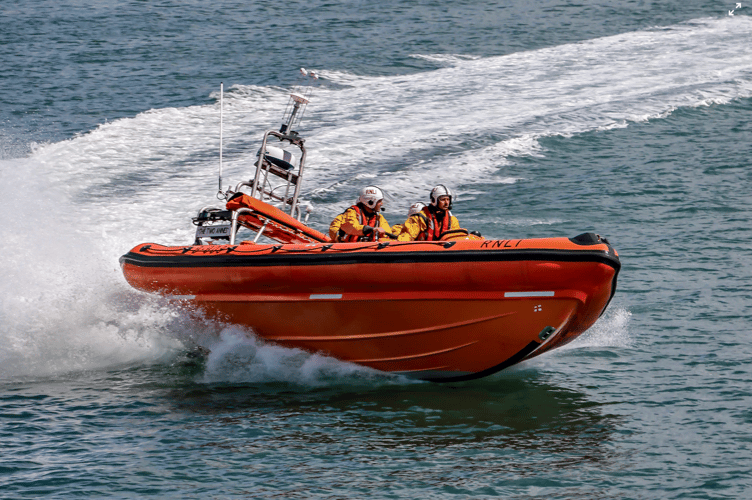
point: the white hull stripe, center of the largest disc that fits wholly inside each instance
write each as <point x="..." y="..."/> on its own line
<point x="528" y="294"/>
<point x="324" y="296"/>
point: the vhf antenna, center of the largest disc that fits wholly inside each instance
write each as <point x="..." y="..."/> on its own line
<point x="297" y="103"/>
<point x="221" y="194"/>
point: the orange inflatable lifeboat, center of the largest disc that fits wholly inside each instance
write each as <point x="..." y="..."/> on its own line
<point x="447" y="310"/>
<point x="455" y="309"/>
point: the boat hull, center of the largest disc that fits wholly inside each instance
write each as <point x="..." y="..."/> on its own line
<point x="432" y="310"/>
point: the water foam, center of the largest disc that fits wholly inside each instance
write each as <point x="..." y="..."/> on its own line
<point x="461" y="123"/>
<point x="63" y="303"/>
<point x="611" y="330"/>
<point x="239" y="357"/>
<point x="458" y="125"/>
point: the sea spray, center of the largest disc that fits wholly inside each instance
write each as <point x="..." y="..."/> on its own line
<point x="238" y="356"/>
<point x="64" y="305"/>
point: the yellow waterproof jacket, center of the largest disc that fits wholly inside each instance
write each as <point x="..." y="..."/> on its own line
<point x="348" y="226"/>
<point x="424" y="226"/>
<point x="335" y="225"/>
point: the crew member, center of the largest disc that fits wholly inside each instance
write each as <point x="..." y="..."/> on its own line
<point x="414" y="209"/>
<point x="433" y="220"/>
<point x="362" y="221"/>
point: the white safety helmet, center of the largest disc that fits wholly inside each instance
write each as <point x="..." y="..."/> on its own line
<point x="370" y="196"/>
<point x="438" y="192"/>
<point x="415" y="208"/>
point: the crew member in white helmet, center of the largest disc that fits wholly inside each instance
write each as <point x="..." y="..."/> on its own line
<point x="414" y="209"/>
<point x="362" y="221"/>
<point x="433" y="220"/>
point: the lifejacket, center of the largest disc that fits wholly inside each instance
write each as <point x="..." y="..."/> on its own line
<point x="373" y="221"/>
<point x="434" y="227"/>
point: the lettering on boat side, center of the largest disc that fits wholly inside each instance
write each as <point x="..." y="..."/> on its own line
<point x="527" y="294"/>
<point x="500" y="243"/>
<point x="324" y="296"/>
<point x="208" y="249"/>
<point x="213" y="231"/>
